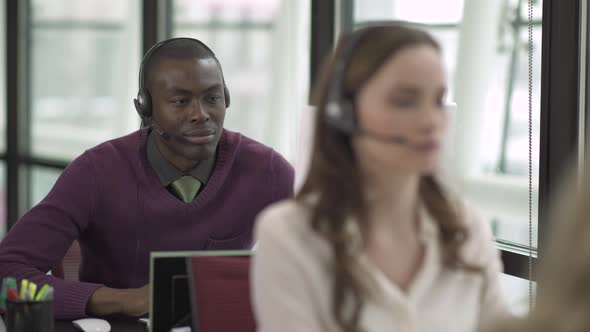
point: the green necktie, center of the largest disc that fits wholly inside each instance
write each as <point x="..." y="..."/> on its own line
<point x="186" y="188"/>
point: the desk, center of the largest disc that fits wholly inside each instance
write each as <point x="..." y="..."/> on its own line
<point x="116" y="326"/>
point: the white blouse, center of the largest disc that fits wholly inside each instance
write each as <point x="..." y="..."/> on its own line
<point x="292" y="283"/>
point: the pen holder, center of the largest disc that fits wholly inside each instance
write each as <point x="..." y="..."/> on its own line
<point x="28" y="316"/>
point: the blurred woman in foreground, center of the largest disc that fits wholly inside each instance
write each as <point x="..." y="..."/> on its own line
<point x="373" y="242"/>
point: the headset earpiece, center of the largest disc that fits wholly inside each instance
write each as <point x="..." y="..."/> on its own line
<point x="226" y="95"/>
<point x="340" y="115"/>
<point x="143" y="104"/>
<point x="340" y="107"/>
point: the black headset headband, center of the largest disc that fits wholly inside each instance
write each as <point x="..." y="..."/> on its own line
<point x="343" y="60"/>
<point x="340" y="107"/>
<point x="150" y="53"/>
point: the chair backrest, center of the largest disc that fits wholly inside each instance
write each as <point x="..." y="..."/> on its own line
<point x="220" y="298"/>
<point x="69" y="267"/>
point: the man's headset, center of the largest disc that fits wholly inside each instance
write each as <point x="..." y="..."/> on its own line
<point x="143" y="101"/>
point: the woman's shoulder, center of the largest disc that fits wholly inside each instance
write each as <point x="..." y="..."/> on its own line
<point x="479" y="246"/>
<point x="478" y="229"/>
<point x="288" y="220"/>
<point x="284" y="215"/>
<point x="285" y="229"/>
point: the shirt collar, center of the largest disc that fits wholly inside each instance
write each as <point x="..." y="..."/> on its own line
<point x="168" y="173"/>
<point x="386" y="290"/>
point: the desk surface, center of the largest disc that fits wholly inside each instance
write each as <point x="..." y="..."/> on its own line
<point x="116" y="326"/>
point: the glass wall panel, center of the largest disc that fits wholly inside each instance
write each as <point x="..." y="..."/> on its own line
<point x="485" y="49"/>
<point x="84" y="64"/>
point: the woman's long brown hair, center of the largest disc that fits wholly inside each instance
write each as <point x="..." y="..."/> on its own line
<point x="335" y="179"/>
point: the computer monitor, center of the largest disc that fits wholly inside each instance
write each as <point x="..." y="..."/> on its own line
<point x="170" y="294"/>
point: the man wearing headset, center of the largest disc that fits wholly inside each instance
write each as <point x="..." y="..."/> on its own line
<point x="182" y="182"/>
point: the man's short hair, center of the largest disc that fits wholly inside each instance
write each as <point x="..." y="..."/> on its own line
<point x="176" y="49"/>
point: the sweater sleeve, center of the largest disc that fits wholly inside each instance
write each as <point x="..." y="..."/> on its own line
<point x="281" y="293"/>
<point x="40" y="239"/>
<point x="283" y="177"/>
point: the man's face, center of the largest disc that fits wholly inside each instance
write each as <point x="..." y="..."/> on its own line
<point x="188" y="104"/>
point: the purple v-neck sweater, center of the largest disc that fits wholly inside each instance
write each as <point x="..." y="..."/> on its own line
<point x="111" y="200"/>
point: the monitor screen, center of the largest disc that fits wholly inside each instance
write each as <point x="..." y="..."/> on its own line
<point x="170" y="294"/>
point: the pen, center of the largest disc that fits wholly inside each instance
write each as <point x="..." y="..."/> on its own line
<point x="45" y="293"/>
<point x="42" y="292"/>
<point x="31" y="291"/>
<point x="24" y="286"/>
<point x="48" y="295"/>
<point x="12" y="294"/>
<point x="11" y="283"/>
<point x="3" y="294"/>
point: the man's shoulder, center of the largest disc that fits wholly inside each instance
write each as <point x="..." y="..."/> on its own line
<point x="120" y="145"/>
<point x="115" y="152"/>
<point x="244" y="144"/>
<point x="248" y="150"/>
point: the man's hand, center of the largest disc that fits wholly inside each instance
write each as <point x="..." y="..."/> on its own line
<point x="137" y="301"/>
<point x="131" y="302"/>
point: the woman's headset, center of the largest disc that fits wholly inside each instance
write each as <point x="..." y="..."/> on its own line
<point x="340" y="113"/>
<point x="340" y="107"/>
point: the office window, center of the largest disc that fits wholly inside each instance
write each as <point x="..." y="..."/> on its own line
<point x="2" y="80"/>
<point x="84" y="62"/>
<point x="2" y="199"/>
<point x="488" y="145"/>
<point x="413" y="11"/>
<point x="516" y="292"/>
<point x="42" y="180"/>
<point x="263" y="46"/>
<point x="441" y="20"/>
<point x="2" y="117"/>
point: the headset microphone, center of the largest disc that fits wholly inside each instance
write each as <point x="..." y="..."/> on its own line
<point x="384" y="138"/>
<point x="341" y="117"/>
<point x="162" y="133"/>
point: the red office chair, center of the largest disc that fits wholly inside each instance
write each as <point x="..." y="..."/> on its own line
<point x="69" y="266"/>
<point x="220" y="298"/>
